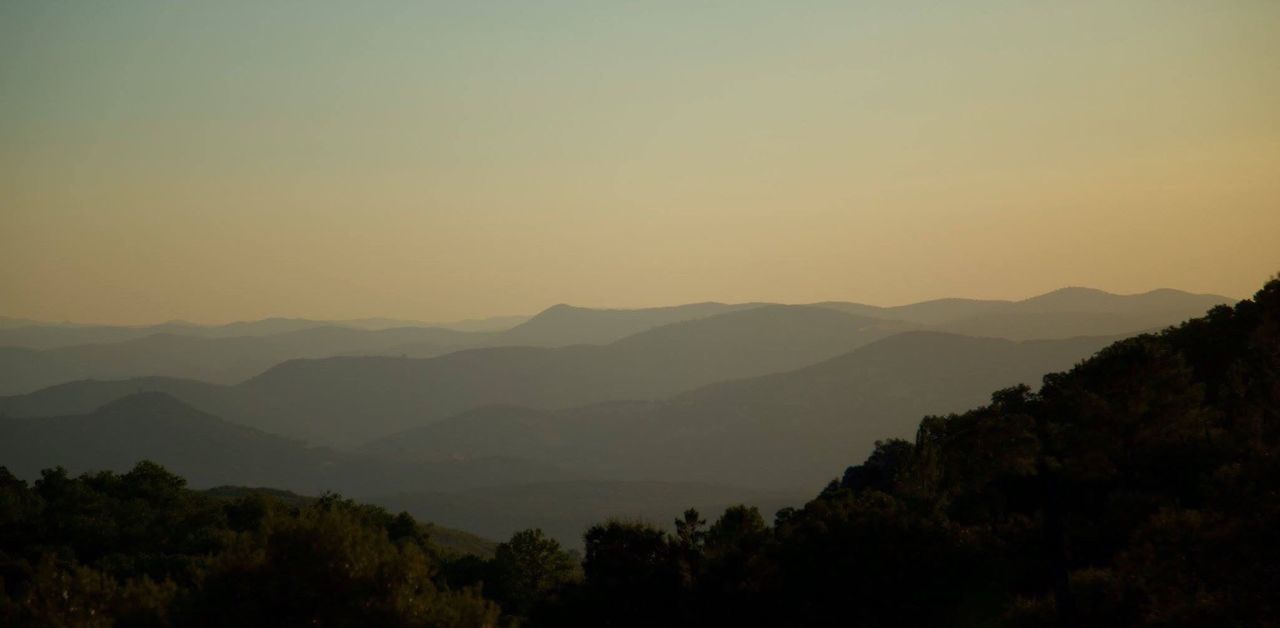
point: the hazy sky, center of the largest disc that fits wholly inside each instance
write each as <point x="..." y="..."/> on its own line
<point x="223" y="160"/>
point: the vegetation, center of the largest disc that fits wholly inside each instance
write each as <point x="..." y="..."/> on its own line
<point x="141" y="549"/>
<point x="1141" y="487"/>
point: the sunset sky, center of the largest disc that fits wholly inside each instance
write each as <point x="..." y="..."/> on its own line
<point x="224" y="161"/>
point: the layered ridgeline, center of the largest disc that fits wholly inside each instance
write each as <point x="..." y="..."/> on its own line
<point x="778" y="431"/>
<point x="42" y="335"/>
<point x="761" y="440"/>
<point x="785" y="430"/>
<point x="350" y="400"/>
<point x="640" y="426"/>
<point x="1139" y="488"/>
<point x="1059" y="314"/>
<point x="33" y="356"/>
<point x="212" y="452"/>
<point x="494" y="495"/>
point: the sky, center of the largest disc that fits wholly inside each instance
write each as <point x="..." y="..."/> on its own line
<point x="234" y="160"/>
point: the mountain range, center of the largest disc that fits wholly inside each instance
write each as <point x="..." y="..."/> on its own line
<point x="33" y="356"/>
<point x="782" y="430"/>
<point x="581" y="412"/>
<point x="212" y="452"/>
<point x="349" y="400"/>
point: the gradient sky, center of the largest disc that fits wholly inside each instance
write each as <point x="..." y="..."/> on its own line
<point x="233" y="160"/>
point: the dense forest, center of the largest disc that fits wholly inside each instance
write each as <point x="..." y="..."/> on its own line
<point x="1138" y="488"/>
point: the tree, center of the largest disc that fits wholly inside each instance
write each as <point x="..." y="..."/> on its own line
<point x="528" y="569"/>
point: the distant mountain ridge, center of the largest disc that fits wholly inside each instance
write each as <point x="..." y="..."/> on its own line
<point x="41" y="335"/>
<point x="352" y="399"/>
<point x="210" y="451"/>
<point x="33" y="357"/>
<point x="566" y="324"/>
<point x="231" y="460"/>
<point x="783" y="430"/>
<point x="1062" y="313"/>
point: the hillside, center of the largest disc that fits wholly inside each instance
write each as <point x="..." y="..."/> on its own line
<point x="212" y="452"/>
<point x="1063" y="313"/>
<point x="1138" y="488"/>
<point x="36" y="356"/>
<point x="784" y="430"/>
<point x="352" y="399"/>
<point x="565" y="324"/>
<point x="215" y="360"/>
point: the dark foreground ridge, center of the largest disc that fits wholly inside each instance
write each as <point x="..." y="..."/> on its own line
<point x="1141" y="487"/>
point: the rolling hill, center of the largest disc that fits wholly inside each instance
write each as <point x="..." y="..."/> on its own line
<point x="349" y="400"/>
<point x="782" y="431"/>
<point x="1063" y="313"/>
<point x="36" y="356"/>
<point x="216" y="360"/>
<point x="212" y="452"/>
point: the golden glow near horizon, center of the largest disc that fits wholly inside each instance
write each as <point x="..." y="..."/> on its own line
<point x="226" y="161"/>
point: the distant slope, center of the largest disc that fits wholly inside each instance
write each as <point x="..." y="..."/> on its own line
<point x="1063" y="313"/>
<point x="565" y="324"/>
<point x="217" y="360"/>
<point x="350" y="400"/>
<point x="1079" y="311"/>
<point x="32" y="357"/>
<point x="49" y="336"/>
<point x="556" y="326"/>
<point x="785" y="430"/>
<point x="932" y="312"/>
<point x="319" y="398"/>
<point x="36" y="356"/>
<point x="564" y="510"/>
<point x="212" y="452"/>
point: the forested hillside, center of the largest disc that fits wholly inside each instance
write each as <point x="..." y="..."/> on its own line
<point x="1139" y="488"/>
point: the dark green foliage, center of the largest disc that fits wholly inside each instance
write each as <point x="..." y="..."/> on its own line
<point x="527" y="570"/>
<point x="141" y="549"/>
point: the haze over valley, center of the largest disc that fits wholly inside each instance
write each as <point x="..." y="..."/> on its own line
<point x="704" y="404"/>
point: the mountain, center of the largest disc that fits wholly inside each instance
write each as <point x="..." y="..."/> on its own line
<point x="782" y="431"/>
<point x="1085" y="311"/>
<point x="564" y="510"/>
<point x="218" y="360"/>
<point x="1063" y="313"/>
<point x="318" y="398"/>
<point x="36" y="356"/>
<point x="212" y="452"/>
<point x="933" y="312"/>
<point x="49" y="336"/>
<point x="487" y="324"/>
<point x="349" y="400"/>
<point x="557" y="326"/>
<point x="565" y="324"/>
<point x="9" y="322"/>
